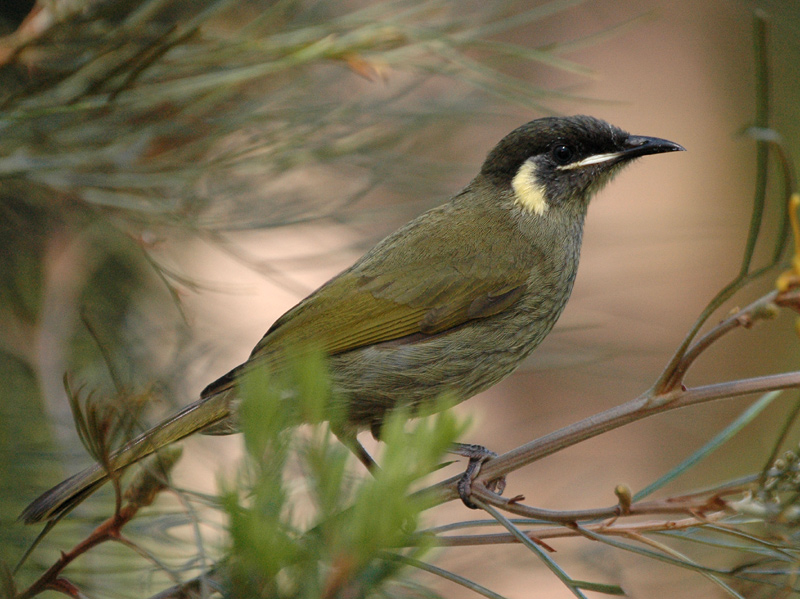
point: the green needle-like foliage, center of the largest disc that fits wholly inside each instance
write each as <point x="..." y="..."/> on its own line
<point x="326" y="537"/>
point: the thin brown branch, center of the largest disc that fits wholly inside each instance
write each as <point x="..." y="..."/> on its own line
<point x="142" y="491"/>
<point x="693" y="505"/>
<point x="108" y="530"/>
<point x="763" y="308"/>
<point x="553" y="532"/>
<point x="637" y="409"/>
<point x="642" y="407"/>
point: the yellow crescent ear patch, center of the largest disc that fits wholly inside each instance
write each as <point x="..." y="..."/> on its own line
<point x="528" y="192"/>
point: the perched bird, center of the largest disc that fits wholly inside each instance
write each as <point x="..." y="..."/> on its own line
<point x="450" y="303"/>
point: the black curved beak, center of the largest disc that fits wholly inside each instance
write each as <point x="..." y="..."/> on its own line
<point x="638" y="145"/>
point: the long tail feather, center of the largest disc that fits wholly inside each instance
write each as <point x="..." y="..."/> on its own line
<point x="66" y="495"/>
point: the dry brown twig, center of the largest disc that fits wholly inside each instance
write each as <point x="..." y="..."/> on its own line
<point x="152" y="480"/>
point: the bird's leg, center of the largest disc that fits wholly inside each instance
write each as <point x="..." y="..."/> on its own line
<point x="477" y="455"/>
<point x="352" y="443"/>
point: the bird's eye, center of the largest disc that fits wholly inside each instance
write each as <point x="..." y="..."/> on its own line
<point x="562" y="154"/>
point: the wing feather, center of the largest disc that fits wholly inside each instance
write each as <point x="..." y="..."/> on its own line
<point x="450" y="278"/>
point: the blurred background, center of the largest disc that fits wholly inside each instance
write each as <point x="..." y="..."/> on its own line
<point x="161" y="210"/>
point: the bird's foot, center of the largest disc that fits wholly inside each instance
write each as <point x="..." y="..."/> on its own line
<point x="477" y="455"/>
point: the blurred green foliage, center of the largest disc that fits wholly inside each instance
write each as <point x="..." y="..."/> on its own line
<point x="311" y="528"/>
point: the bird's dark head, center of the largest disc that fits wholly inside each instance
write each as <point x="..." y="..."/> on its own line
<point x="562" y="161"/>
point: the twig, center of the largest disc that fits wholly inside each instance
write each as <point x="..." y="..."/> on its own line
<point x="637" y="409"/>
<point x="142" y="492"/>
<point x="554" y="532"/>
<point x="685" y="505"/>
<point x="631" y="411"/>
<point x="763" y="308"/>
<point x="108" y="530"/>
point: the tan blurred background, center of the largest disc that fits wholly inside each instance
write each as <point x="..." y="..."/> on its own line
<point x="659" y="242"/>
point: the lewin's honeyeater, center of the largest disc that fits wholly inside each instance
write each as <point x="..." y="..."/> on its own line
<point x="450" y="303"/>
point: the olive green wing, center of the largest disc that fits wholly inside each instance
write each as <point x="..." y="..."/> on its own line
<point x="424" y="279"/>
<point x="353" y="311"/>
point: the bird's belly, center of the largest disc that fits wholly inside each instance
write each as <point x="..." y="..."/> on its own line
<point x="453" y="366"/>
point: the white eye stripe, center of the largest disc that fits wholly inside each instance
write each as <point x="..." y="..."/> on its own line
<point x="589" y="160"/>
